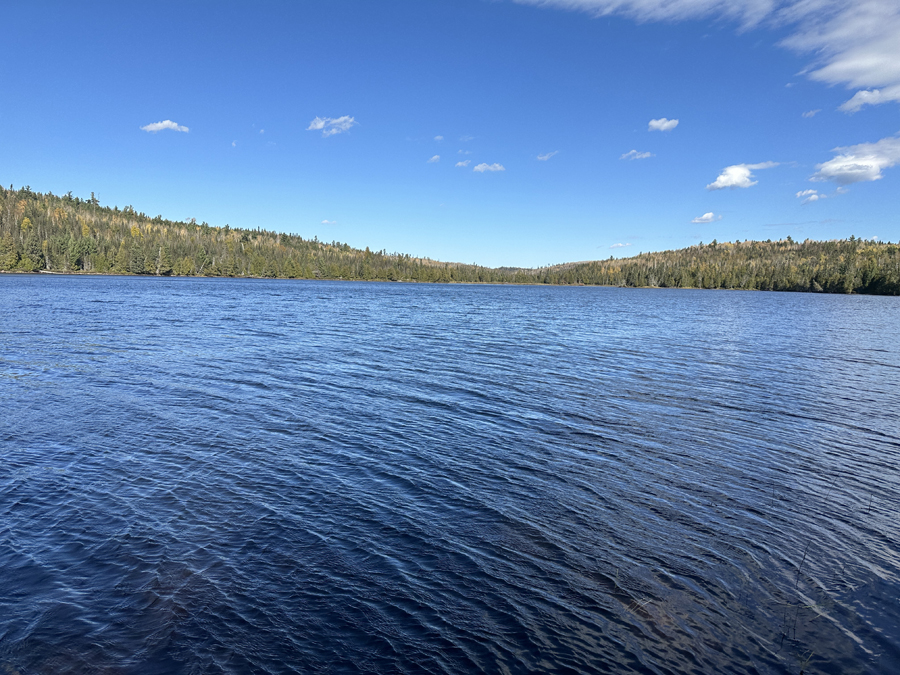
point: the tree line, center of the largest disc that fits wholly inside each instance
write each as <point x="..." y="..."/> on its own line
<point x="45" y="232"/>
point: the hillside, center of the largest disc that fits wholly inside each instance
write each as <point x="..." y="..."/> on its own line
<point x="45" y="232"/>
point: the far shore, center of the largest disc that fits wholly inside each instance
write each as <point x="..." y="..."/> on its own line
<point x="402" y="281"/>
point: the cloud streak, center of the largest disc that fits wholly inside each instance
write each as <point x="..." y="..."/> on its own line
<point x="709" y="217"/>
<point x="464" y="163"/>
<point x="330" y="126"/>
<point x="620" y="245"/>
<point x="738" y="176"/>
<point x="434" y="160"/>
<point x="481" y="168"/>
<point x="545" y="157"/>
<point x="634" y="154"/>
<point x="162" y="126"/>
<point x="855" y="43"/>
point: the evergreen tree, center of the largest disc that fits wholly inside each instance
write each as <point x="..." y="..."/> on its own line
<point x="136" y="262"/>
<point x="31" y="257"/>
<point x="163" y="261"/>
<point x="9" y="257"/>
<point x="123" y="259"/>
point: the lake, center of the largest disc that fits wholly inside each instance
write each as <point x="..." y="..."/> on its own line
<point x="261" y="476"/>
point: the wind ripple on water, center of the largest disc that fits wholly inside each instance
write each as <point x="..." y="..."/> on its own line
<point x="270" y="476"/>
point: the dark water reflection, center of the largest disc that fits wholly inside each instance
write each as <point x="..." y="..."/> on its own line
<point x="202" y="476"/>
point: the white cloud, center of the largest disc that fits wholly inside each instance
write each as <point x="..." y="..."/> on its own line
<point x="262" y="131"/>
<point x="811" y="196"/>
<point x="855" y="43"/>
<point x="709" y="217"/>
<point x="464" y="152"/>
<point x="860" y="46"/>
<point x="662" y="124"/>
<point x="329" y="222"/>
<point x="619" y="245"/>
<point x="233" y="144"/>
<point x="329" y="126"/>
<point x="547" y="156"/>
<point x="165" y="124"/>
<point x="812" y="113"/>
<point x="438" y="138"/>
<point x="466" y="139"/>
<point x="859" y="163"/>
<point x="738" y="175"/>
<point x="634" y="154"/>
<point x="481" y="168"/>
<point x="434" y="160"/>
<point x="464" y="162"/>
<point x="868" y="97"/>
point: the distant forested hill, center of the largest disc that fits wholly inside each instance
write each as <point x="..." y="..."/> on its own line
<point x="840" y="266"/>
<point x="44" y="232"/>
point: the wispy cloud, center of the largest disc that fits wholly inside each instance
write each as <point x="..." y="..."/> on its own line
<point x="464" y="152"/>
<point x="634" y="154"/>
<point x="434" y="160"/>
<point x="329" y="126"/>
<point x="466" y="138"/>
<point x="438" y="138"/>
<point x="860" y="163"/>
<point x="868" y="97"/>
<point x="662" y="124"/>
<point x="547" y="156"/>
<point x="329" y="222"/>
<point x="856" y="43"/>
<point x="465" y="162"/>
<point x="161" y="126"/>
<point x="481" y="168"/>
<point x="707" y="218"/>
<point x="233" y="144"/>
<point x="738" y="176"/>
<point x="812" y="113"/>
<point x="620" y="245"/>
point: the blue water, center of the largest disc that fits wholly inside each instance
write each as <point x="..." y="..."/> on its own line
<point x="245" y="476"/>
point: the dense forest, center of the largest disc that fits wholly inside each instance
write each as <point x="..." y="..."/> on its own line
<point x="44" y="232"/>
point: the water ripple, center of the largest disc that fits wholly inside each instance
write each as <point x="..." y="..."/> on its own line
<point x="292" y="477"/>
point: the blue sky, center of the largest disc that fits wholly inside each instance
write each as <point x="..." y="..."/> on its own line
<point x="492" y="132"/>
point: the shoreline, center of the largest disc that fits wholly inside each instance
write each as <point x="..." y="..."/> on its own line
<point x="413" y="281"/>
